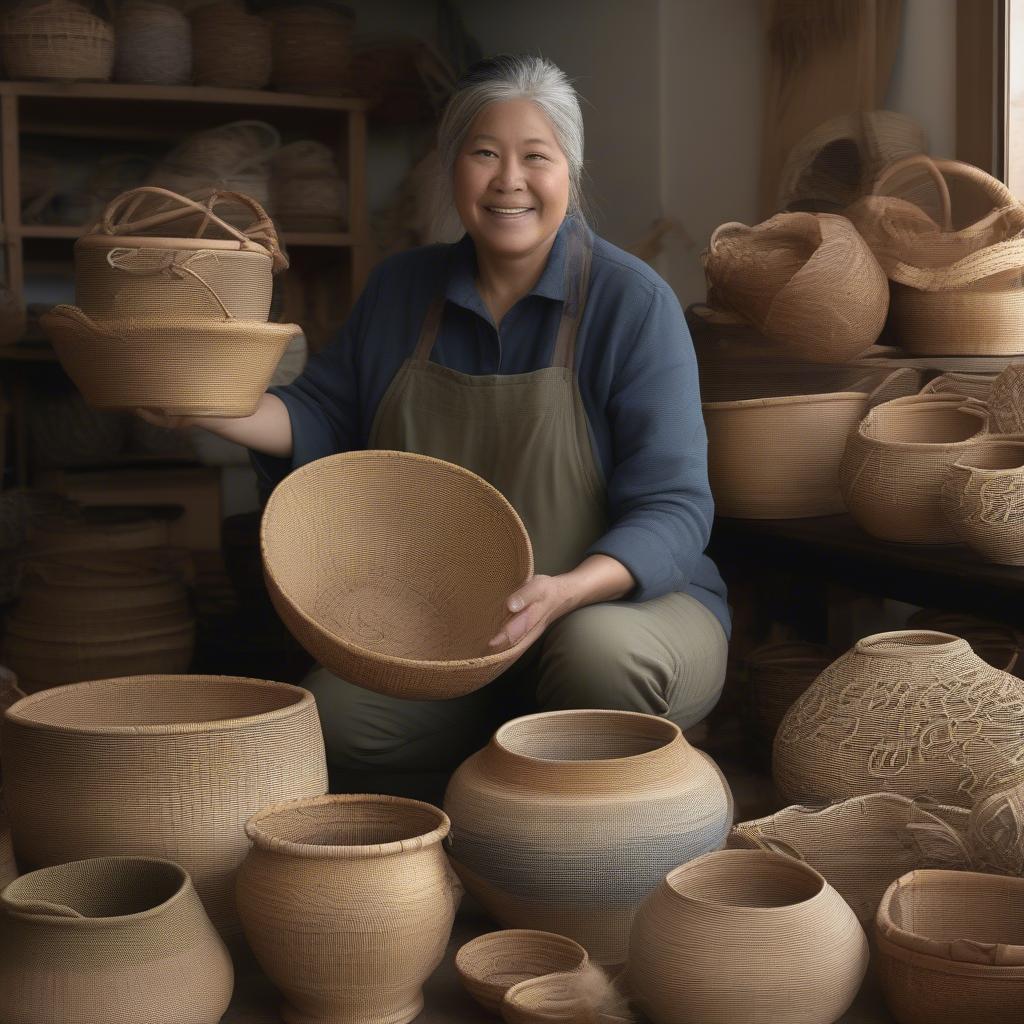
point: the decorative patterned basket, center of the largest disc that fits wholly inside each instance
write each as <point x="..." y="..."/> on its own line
<point x="158" y="765"/>
<point x="57" y="39"/>
<point x="777" y="674"/>
<point x="358" y="568"/>
<point x="230" y="47"/>
<point x="951" y="948"/>
<point x="895" y="462"/>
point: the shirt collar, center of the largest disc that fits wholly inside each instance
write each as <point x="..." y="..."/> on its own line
<point x="461" y="288"/>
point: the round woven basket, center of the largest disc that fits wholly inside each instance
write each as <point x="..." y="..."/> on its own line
<point x="565" y="997"/>
<point x="777" y="674"/>
<point x="745" y="935"/>
<point x="493" y="963"/>
<point x="154" y="44"/>
<point x="914" y="713"/>
<point x="895" y="463"/>
<point x="312" y="48"/>
<point x="230" y="47"/>
<point x="113" y="940"/>
<point x="950" y="948"/>
<point x="158" y="765"/>
<point x="57" y="39"/>
<point x="363" y="566"/>
<point x="565" y="821"/>
<point x="807" y="281"/>
<point x="983" y="500"/>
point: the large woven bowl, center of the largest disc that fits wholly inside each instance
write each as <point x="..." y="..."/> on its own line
<point x="162" y="766"/>
<point x="950" y="948"/>
<point x="393" y="570"/>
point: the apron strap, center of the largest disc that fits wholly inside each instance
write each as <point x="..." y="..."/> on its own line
<point x="428" y="332"/>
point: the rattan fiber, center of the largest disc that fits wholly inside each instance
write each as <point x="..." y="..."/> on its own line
<point x="57" y="39"/>
<point x="114" y="940"/>
<point x="393" y="569"/>
<point x="169" y="766"/>
<point x="745" y="935"/>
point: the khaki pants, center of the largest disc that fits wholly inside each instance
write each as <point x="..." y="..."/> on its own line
<point x="662" y="657"/>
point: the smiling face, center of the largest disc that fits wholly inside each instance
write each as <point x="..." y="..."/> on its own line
<point x="511" y="179"/>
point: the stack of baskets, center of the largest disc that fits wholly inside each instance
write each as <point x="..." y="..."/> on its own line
<point x="308" y="189"/>
<point x="57" y="39"/>
<point x="170" y="316"/>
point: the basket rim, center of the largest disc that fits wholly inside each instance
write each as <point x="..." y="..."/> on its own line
<point x="1009" y="442"/>
<point x="304" y="700"/>
<point x="94" y="240"/>
<point x="809" y="399"/>
<point x="502" y="936"/>
<point x="377" y="657"/>
<point x="929" y="962"/>
<point x="322" y="851"/>
<point x="940" y="643"/>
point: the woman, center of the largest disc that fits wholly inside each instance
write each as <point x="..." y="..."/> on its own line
<point x="560" y="369"/>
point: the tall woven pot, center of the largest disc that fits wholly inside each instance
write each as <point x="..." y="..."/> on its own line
<point x="950" y="948"/>
<point x="895" y="463"/>
<point x="911" y="712"/>
<point x="348" y="903"/>
<point x="745" y="935"/>
<point x="161" y="766"/>
<point x="565" y="821"/>
<point x="115" y="940"/>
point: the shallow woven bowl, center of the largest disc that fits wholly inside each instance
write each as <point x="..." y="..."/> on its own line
<point x="549" y="999"/>
<point x="393" y="570"/>
<point x="492" y="964"/>
<point x="220" y="368"/>
<point x="951" y="948"/>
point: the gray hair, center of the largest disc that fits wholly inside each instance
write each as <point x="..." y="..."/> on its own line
<point x="502" y="78"/>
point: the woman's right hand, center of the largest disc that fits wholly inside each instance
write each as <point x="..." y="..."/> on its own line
<point x="157" y="418"/>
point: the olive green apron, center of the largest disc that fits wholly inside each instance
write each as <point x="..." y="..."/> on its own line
<point x="524" y="433"/>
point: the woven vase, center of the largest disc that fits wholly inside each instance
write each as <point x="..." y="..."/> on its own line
<point x="950" y="948"/>
<point x="745" y="935"/>
<point x="348" y="903"/>
<point x="983" y="500"/>
<point x="896" y="461"/>
<point x="115" y="940"/>
<point x="168" y="766"/>
<point x="914" y="713"/>
<point x="565" y="821"/>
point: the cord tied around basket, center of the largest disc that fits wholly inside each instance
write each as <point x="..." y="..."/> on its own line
<point x="172" y="263"/>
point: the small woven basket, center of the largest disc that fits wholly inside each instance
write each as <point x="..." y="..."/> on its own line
<point x="950" y="947"/>
<point x="312" y="48"/>
<point x="230" y="47"/>
<point x="359" y="568"/>
<point x="57" y="39"/>
<point x="154" y="44"/>
<point x="896" y="461"/>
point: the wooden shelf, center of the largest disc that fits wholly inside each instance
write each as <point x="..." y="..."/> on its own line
<point x="294" y="238"/>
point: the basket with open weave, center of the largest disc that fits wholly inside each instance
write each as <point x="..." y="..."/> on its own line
<point x="807" y="281"/>
<point x="956" y="287"/>
<point x="57" y="39"/>
<point x="393" y="569"/>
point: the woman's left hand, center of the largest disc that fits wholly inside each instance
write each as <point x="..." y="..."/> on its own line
<point x="534" y="606"/>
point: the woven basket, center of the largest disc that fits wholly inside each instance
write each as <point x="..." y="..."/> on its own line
<point x="358" y="568"/>
<point x="983" y="500"/>
<point x="115" y="940"/>
<point x="8" y="865"/>
<point x="312" y="48"/>
<point x="565" y="821"/>
<point x="861" y="844"/>
<point x="311" y="204"/>
<point x="154" y="44"/>
<point x="493" y="963"/>
<point x="230" y="47"/>
<point x="807" y="281"/>
<point x="777" y="455"/>
<point x="951" y="948"/>
<point x="777" y="674"/>
<point x="995" y="833"/>
<point x="970" y="385"/>
<point x="57" y="39"/>
<point x="993" y="642"/>
<point x="577" y="997"/>
<point x="218" y="369"/>
<point x="914" y="713"/>
<point x="158" y="765"/>
<point x="348" y="903"/>
<point x="745" y="935"/>
<point x="895" y="462"/>
<point x="51" y="534"/>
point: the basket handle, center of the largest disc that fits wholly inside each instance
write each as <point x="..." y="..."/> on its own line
<point x="932" y="167"/>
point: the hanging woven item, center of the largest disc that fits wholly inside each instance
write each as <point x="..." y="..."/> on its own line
<point x="914" y="713"/>
<point x="807" y="281"/>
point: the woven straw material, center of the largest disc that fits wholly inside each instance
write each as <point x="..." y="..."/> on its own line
<point x="914" y="713"/>
<point x="8" y="865"/>
<point x="895" y="462"/>
<point x="745" y="935"/>
<point x="579" y="997"/>
<point x="154" y="44"/>
<point x="995" y="833"/>
<point x="393" y="570"/>
<point x="348" y="903"/>
<point x="10" y="693"/>
<point x="57" y="39"/>
<point x="807" y="281"/>
<point x="12" y="317"/>
<point x="230" y="48"/>
<point x="169" y="766"/>
<point x="115" y="940"/>
<point x="970" y="385"/>
<point x="312" y="49"/>
<point x="491" y="964"/>
<point x="776" y="453"/>
<point x="860" y="845"/>
<point x="777" y="674"/>
<point x="993" y="642"/>
<point x="565" y="821"/>
<point x="182" y="369"/>
<point x="951" y="948"/>
<point x="1006" y="400"/>
<point x="983" y="500"/>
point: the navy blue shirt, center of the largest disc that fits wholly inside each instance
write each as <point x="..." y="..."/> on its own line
<point x="637" y="376"/>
